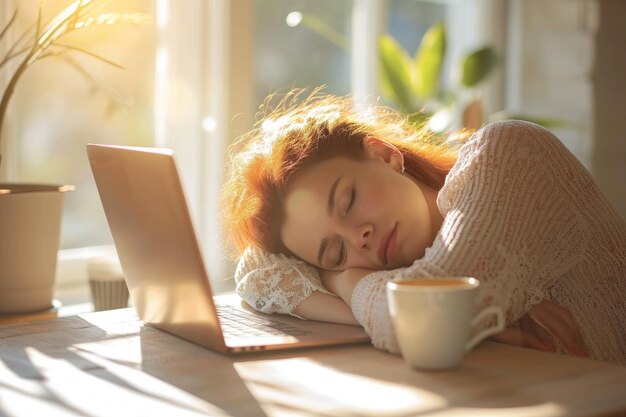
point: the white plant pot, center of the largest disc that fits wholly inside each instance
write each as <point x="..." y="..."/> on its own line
<point x="30" y="225"/>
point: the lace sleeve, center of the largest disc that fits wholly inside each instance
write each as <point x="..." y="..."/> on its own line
<point x="275" y="283"/>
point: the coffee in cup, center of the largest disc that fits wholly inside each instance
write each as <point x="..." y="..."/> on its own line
<point x="434" y="318"/>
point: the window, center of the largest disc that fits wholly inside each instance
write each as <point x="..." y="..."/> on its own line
<point x="64" y="102"/>
<point x="301" y="44"/>
<point x="195" y="76"/>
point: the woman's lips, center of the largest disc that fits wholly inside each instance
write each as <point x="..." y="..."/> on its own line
<point x="387" y="246"/>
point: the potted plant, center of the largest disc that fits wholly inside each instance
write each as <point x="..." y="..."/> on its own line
<point x="30" y="214"/>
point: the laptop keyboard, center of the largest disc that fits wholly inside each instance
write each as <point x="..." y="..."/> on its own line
<point x="239" y="323"/>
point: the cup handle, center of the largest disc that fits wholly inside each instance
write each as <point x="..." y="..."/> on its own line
<point x="500" y="324"/>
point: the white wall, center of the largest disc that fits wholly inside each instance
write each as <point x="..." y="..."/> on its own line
<point x="609" y="78"/>
<point x="568" y="60"/>
<point x="550" y="75"/>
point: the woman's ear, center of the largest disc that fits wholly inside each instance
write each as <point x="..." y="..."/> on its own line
<point x="378" y="149"/>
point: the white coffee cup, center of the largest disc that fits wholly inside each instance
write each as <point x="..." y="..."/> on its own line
<point x="434" y="318"/>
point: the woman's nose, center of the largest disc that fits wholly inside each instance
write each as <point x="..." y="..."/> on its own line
<point x="361" y="236"/>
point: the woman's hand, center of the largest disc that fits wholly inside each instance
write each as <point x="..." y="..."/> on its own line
<point x="342" y="283"/>
<point x="541" y="325"/>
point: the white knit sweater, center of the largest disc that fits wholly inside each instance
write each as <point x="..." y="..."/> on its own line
<point x="523" y="216"/>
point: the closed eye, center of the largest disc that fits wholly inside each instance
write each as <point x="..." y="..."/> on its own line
<point x="352" y="199"/>
<point x="342" y="255"/>
<point x="342" y="252"/>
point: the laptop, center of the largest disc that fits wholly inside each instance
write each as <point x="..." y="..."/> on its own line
<point x="162" y="263"/>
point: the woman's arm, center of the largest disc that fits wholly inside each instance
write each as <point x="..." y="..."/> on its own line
<point x="544" y="323"/>
<point x="325" y="307"/>
<point x="343" y="283"/>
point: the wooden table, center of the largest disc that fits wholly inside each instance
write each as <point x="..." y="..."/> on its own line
<point x="110" y="364"/>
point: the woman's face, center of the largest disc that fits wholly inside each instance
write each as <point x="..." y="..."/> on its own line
<point x="345" y="213"/>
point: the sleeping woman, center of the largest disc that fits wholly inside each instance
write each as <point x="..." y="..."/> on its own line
<point x="326" y="201"/>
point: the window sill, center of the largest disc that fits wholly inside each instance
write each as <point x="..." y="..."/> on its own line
<point x="71" y="270"/>
<point x="72" y="282"/>
<point x="75" y="299"/>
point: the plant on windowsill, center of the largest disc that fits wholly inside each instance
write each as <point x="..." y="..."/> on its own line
<point x="30" y="214"/>
<point x="412" y="84"/>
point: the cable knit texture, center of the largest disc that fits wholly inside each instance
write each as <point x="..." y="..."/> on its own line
<point x="524" y="217"/>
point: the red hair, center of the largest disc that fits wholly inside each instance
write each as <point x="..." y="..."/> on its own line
<point x="295" y="135"/>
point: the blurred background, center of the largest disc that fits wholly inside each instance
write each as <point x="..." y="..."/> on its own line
<point x="196" y="71"/>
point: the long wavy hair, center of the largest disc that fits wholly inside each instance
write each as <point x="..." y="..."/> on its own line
<point x="304" y="129"/>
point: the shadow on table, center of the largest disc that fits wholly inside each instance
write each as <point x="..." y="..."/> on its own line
<point x="198" y="371"/>
<point x="34" y="351"/>
<point x="80" y="367"/>
<point x="356" y="381"/>
<point x="60" y="364"/>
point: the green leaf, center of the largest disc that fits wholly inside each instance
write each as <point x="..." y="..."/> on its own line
<point x="395" y="73"/>
<point x="478" y="65"/>
<point x="429" y="61"/>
